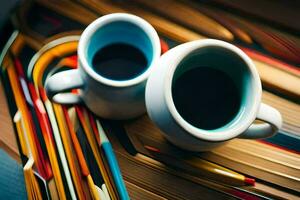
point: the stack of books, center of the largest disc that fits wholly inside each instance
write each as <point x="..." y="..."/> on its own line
<point x="65" y="150"/>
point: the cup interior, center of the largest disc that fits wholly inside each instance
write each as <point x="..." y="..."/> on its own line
<point x="121" y="32"/>
<point x="213" y="88"/>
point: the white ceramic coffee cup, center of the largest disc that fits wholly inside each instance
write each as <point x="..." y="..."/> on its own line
<point x="162" y="110"/>
<point x="113" y="99"/>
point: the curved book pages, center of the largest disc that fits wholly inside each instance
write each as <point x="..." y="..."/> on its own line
<point x="66" y="152"/>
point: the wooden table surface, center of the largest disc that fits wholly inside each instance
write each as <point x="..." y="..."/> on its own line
<point x="7" y="136"/>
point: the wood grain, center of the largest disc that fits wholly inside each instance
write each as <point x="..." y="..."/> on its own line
<point x="137" y="193"/>
<point x="7" y="135"/>
<point x="272" y="77"/>
<point x="246" y="156"/>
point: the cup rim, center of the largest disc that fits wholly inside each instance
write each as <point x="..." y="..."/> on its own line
<point x="213" y="135"/>
<point x="106" y="19"/>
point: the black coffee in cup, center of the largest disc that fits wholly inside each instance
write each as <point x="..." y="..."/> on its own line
<point x="207" y="98"/>
<point x="119" y="61"/>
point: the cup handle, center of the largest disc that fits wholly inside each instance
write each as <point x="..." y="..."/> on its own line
<point x="273" y="122"/>
<point x="58" y="85"/>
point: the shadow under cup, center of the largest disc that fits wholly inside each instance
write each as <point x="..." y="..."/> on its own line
<point x="120" y="50"/>
<point x="212" y="89"/>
